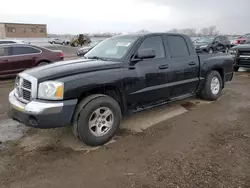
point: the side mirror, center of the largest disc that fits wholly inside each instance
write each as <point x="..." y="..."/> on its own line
<point x="145" y="54"/>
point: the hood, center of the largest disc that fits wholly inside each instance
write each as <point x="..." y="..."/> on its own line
<point x="84" y="48"/>
<point x="241" y="46"/>
<point x="71" y="67"/>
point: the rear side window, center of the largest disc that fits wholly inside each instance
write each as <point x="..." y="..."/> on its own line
<point x="178" y="46"/>
<point x="154" y="43"/>
<point x="6" y="42"/>
<point x="5" y="51"/>
<point x="24" y="50"/>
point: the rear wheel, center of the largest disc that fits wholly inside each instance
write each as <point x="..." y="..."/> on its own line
<point x="212" y="87"/>
<point x="42" y="63"/>
<point x="97" y="119"/>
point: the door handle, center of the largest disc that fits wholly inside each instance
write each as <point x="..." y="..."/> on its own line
<point x="7" y="60"/>
<point x="192" y="63"/>
<point x="163" y="66"/>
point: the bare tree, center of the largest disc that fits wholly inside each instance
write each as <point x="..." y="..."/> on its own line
<point x="209" y="31"/>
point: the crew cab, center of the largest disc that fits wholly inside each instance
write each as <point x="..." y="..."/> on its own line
<point x="122" y="74"/>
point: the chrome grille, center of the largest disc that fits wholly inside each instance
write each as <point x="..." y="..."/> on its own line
<point x="26" y="84"/>
<point x="23" y="89"/>
<point x="243" y="58"/>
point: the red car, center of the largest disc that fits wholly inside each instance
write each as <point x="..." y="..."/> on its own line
<point x="241" y="39"/>
<point x="15" y="58"/>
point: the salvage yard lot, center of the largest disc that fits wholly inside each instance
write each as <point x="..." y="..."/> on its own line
<point x="203" y="145"/>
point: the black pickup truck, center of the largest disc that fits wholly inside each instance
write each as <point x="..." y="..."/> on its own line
<point x="120" y="75"/>
<point x="241" y="53"/>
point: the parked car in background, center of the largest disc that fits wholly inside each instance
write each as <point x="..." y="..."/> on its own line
<point x="242" y="39"/>
<point x="15" y="58"/>
<point x="241" y="53"/>
<point x="58" y="41"/>
<point x="82" y="51"/>
<point x="9" y="41"/>
<point x="122" y="74"/>
<point x="212" y="44"/>
<point x="232" y="40"/>
<point x="194" y="39"/>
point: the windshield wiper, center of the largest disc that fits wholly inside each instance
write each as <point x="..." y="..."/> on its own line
<point x="96" y="57"/>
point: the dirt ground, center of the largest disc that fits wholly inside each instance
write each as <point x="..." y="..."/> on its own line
<point x="208" y="146"/>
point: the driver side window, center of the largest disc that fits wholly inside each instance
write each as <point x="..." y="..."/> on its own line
<point x="217" y="39"/>
<point x="154" y="43"/>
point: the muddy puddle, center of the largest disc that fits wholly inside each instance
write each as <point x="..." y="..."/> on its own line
<point x="11" y="130"/>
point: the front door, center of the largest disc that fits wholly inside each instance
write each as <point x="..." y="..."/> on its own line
<point x="183" y="66"/>
<point x="150" y="83"/>
<point x="217" y="46"/>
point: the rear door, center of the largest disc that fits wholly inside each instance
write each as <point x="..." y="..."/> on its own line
<point x="24" y="57"/>
<point x="5" y="64"/>
<point x="183" y="66"/>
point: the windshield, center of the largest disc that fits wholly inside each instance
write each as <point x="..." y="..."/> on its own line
<point x="94" y="43"/>
<point x="205" y="40"/>
<point x="232" y="38"/>
<point x="112" y="48"/>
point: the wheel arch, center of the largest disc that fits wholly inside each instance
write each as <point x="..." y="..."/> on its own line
<point x="109" y="90"/>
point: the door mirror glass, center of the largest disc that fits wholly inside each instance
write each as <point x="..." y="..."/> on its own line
<point x="145" y="54"/>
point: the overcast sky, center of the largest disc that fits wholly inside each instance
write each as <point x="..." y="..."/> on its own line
<point x="80" y="16"/>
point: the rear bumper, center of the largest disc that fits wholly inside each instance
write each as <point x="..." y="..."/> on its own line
<point x="42" y="114"/>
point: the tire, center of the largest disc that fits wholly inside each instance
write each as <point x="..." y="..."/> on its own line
<point x="227" y="49"/>
<point x="63" y="43"/>
<point x="91" y="129"/>
<point x="42" y="63"/>
<point x="236" y="68"/>
<point x="210" y="51"/>
<point x="207" y="91"/>
<point x="53" y="42"/>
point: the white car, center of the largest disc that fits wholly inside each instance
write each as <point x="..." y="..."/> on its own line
<point x="57" y="41"/>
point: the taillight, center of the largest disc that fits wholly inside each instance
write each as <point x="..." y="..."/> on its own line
<point x="61" y="55"/>
<point x="237" y="42"/>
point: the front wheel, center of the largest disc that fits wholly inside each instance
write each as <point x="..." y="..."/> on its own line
<point x="98" y="120"/>
<point x="210" y="50"/>
<point x="212" y="87"/>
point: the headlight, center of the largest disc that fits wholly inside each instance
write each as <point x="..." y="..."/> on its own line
<point x="232" y="51"/>
<point x="51" y="90"/>
<point x="203" y="46"/>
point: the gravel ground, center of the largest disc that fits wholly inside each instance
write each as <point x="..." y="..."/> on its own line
<point x="207" y="147"/>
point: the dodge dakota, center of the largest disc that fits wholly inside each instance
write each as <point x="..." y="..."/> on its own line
<point x="122" y="74"/>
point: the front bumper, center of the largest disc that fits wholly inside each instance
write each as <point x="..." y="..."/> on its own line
<point x="42" y="114"/>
